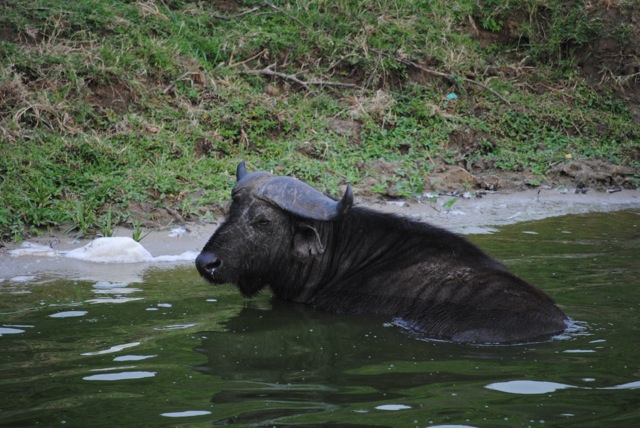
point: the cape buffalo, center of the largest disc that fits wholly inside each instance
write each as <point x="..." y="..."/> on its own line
<point x="311" y="249"/>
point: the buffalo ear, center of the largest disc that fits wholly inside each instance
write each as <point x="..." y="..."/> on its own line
<point x="306" y="242"/>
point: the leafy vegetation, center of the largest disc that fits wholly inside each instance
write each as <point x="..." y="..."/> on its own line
<point x="115" y="111"/>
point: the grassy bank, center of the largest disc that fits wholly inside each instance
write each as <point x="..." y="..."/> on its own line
<point x="121" y="112"/>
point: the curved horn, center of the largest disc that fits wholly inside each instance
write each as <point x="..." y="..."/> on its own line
<point x="346" y="202"/>
<point x="304" y="201"/>
<point x="241" y="171"/>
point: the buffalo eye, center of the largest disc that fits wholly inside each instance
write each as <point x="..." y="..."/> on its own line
<point x="261" y="222"/>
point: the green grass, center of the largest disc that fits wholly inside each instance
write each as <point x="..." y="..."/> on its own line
<point x="104" y="104"/>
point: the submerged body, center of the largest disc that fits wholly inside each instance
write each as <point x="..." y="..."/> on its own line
<point x="311" y="249"/>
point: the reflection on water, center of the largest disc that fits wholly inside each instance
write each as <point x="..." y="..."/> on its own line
<point x="95" y="350"/>
<point x="538" y="387"/>
<point x="527" y="387"/>
<point x="120" y="376"/>
<point x="186" y="413"/>
<point x="133" y="357"/>
<point x="10" y="330"/>
<point x="68" y="314"/>
<point x="113" y="349"/>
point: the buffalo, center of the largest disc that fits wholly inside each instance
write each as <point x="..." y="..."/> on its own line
<point x="309" y="248"/>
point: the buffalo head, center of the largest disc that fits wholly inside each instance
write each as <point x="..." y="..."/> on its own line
<point x="270" y="227"/>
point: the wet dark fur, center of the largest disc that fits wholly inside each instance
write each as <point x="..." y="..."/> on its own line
<point x="437" y="282"/>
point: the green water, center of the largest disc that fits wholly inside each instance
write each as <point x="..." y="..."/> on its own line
<point x="173" y="351"/>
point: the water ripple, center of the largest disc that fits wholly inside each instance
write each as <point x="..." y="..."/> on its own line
<point x="186" y="413"/>
<point x="115" y="348"/>
<point x="528" y="387"/>
<point x="69" y="314"/>
<point x="120" y="376"/>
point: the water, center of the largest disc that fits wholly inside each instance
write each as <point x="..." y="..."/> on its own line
<point x="174" y="351"/>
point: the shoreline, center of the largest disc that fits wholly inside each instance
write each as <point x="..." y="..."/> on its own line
<point x="474" y="215"/>
<point x="462" y="215"/>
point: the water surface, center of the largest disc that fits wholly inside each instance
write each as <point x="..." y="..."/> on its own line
<point x="173" y="351"/>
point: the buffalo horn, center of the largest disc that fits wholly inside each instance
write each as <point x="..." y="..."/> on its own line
<point x="241" y="171"/>
<point x="302" y="200"/>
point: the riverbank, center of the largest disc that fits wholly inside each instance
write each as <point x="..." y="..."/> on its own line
<point x="137" y="113"/>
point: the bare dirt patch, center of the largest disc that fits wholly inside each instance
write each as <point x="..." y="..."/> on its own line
<point x="226" y="5"/>
<point x="598" y="175"/>
<point x="113" y="95"/>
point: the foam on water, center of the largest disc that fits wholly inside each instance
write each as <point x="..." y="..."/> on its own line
<point x="111" y="250"/>
<point x="104" y="250"/>
<point x="31" y="249"/>
<point x="186" y="256"/>
<point x="22" y="278"/>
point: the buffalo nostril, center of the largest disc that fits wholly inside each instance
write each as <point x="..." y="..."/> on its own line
<point x="207" y="262"/>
